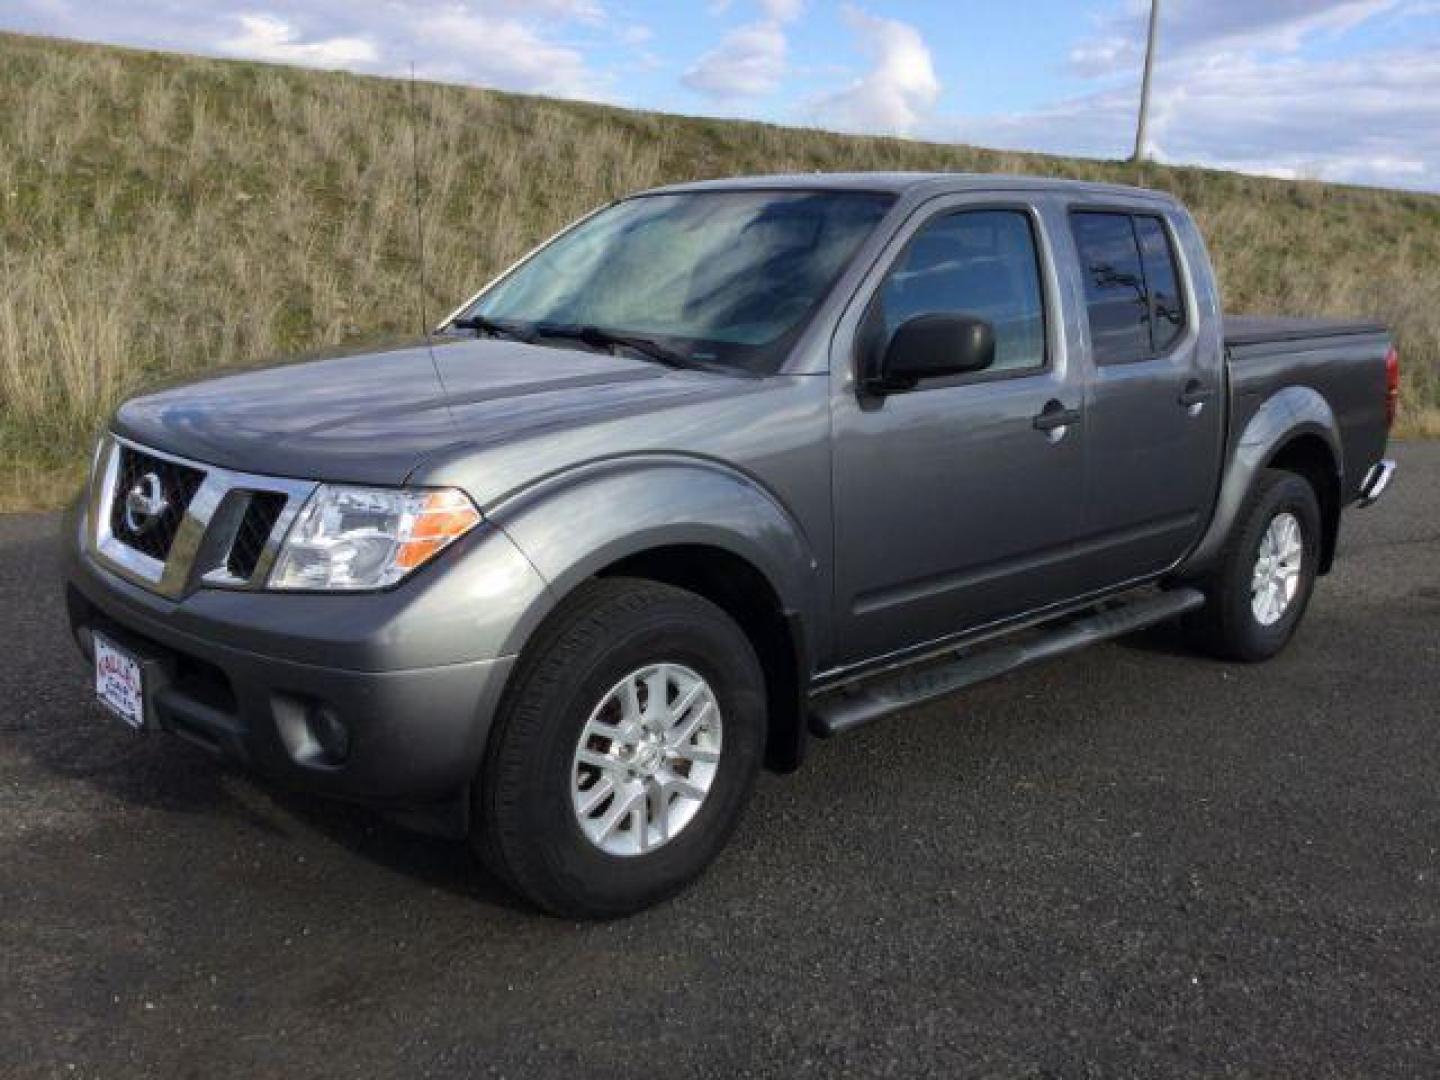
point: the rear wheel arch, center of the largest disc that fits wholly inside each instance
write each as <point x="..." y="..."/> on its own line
<point x="1311" y="457"/>
<point x="1295" y="430"/>
<point x="1234" y="623"/>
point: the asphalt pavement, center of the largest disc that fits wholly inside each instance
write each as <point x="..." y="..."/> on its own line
<point x="1130" y="861"/>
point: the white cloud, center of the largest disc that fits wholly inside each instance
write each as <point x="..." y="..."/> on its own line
<point x="751" y="60"/>
<point x="509" y="44"/>
<point x="1371" y="119"/>
<point x="1189" y="27"/>
<point x="1239" y="85"/>
<point x="502" y="52"/>
<point x="776" y="10"/>
<point x="1105" y="55"/>
<point x="895" y="94"/>
<point x="748" y="62"/>
<point x="783" y="10"/>
<point x="583" y="10"/>
<point x="635" y="34"/>
<point x="269" y="37"/>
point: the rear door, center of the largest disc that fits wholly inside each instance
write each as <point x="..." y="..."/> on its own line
<point x="952" y="508"/>
<point x="1153" y="414"/>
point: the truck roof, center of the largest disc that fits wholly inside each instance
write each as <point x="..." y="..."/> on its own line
<point x="898" y="183"/>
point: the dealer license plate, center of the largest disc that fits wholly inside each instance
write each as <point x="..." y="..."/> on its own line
<point x="118" y="683"/>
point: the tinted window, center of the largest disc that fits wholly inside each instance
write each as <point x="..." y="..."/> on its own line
<point x="1114" y="286"/>
<point x="723" y="276"/>
<point x="1162" y="282"/>
<point x="980" y="263"/>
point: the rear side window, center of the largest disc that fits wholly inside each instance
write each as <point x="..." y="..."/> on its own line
<point x="1162" y="283"/>
<point x="1114" y="287"/>
<point x="980" y="263"/>
<point x="1132" y="285"/>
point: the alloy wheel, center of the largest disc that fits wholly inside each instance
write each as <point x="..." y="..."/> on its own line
<point x="647" y="758"/>
<point x="1276" y="578"/>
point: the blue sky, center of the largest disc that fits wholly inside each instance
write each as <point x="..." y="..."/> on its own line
<point x="1344" y="90"/>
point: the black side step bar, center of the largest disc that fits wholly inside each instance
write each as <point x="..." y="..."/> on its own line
<point x="842" y="710"/>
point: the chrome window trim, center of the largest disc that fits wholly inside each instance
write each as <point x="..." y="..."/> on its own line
<point x="201" y="548"/>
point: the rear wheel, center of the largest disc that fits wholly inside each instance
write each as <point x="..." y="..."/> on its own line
<point x="1261" y="584"/>
<point x="624" y="753"/>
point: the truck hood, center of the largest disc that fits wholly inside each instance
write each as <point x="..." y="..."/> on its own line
<point x="373" y="417"/>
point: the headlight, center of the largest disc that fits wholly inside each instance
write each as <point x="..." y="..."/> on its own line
<point x="369" y="538"/>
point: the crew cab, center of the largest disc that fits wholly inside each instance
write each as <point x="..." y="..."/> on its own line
<point x="719" y="469"/>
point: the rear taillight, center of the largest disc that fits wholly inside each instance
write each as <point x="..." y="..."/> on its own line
<point x="1392" y="385"/>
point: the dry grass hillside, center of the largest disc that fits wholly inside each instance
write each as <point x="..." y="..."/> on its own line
<point x="162" y="214"/>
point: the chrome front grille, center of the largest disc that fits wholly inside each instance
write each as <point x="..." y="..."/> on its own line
<point x="173" y="526"/>
<point x="256" y="525"/>
<point x="175" y="485"/>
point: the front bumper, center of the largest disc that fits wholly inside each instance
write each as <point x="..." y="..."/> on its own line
<point x="416" y="734"/>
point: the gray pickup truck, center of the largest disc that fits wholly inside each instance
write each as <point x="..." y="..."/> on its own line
<point x="720" y="468"/>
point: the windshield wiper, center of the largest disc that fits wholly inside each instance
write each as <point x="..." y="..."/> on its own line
<point x="481" y="325"/>
<point x="609" y="339"/>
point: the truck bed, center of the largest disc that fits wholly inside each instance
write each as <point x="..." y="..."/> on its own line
<point x="1343" y="361"/>
<point x="1265" y="329"/>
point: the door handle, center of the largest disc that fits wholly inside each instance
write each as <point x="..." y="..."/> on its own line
<point x="1055" y="416"/>
<point x="1194" y="396"/>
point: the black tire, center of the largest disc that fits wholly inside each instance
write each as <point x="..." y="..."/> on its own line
<point x="524" y="826"/>
<point x="1227" y="626"/>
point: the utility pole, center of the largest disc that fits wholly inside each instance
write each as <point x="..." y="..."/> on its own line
<point x="1145" y="83"/>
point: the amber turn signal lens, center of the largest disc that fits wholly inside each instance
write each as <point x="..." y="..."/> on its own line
<point x="443" y="516"/>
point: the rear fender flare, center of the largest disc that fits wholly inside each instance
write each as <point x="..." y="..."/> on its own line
<point x="1284" y="416"/>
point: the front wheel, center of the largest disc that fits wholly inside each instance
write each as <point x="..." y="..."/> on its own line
<point x="1261" y="585"/>
<point x="624" y="752"/>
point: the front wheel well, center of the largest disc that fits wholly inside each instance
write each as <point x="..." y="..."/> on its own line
<point x="1310" y="457"/>
<point x="744" y="593"/>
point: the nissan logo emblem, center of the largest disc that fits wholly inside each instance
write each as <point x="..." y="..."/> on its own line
<point x="144" y="503"/>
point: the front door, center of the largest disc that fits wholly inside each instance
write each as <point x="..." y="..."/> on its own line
<point x="952" y="507"/>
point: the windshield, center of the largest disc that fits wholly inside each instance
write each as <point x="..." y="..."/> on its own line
<point x="720" y="278"/>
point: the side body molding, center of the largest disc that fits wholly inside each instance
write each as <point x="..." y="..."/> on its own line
<point x="575" y="524"/>
<point x="1285" y="415"/>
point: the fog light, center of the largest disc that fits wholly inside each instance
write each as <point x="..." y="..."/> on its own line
<point x="330" y="733"/>
<point x="312" y="731"/>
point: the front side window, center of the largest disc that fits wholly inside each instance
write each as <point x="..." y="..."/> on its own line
<point x="980" y="263"/>
<point x="723" y="278"/>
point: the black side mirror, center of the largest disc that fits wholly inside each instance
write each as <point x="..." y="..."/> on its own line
<point x="933" y="347"/>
